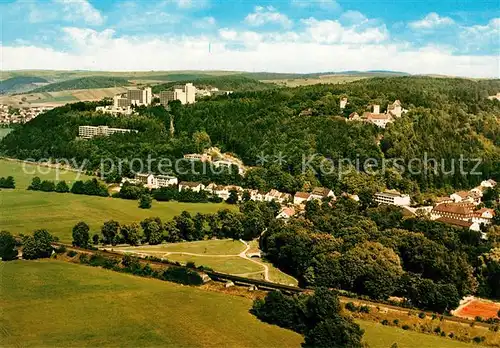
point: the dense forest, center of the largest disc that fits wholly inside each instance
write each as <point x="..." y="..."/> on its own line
<point x="376" y="252"/>
<point x="83" y="83"/>
<point x="447" y="119"/>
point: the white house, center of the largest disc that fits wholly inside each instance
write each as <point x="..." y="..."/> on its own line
<point x="256" y="195"/>
<point x="488" y="183"/>
<point x="343" y="103"/>
<point x="286" y="213"/>
<point x="301" y="197"/>
<point x="321" y="193"/>
<point x="165" y="180"/>
<point x="193" y="186"/>
<point x="484" y="216"/>
<point x="147" y="180"/>
<point x="392" y="197"/>
<point x="466" y="197"/>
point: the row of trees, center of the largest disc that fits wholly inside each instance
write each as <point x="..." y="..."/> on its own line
<point x="90" y="187"/>
<point x="247" y="224"/>
<point x="318" y="317"/>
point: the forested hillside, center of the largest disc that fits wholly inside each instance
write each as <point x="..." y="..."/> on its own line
<point x="227" y="83"/>
<point x="84" y="83"/>
<point x="448" y="118"/>
<point x="19" y="84"/>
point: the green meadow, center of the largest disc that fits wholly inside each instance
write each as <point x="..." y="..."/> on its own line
<point x="24" y="211"/>
<point x="50" y="303"/>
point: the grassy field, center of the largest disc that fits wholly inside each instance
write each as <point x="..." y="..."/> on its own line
<point x="209" y="247"/>
<point x="51" y="303"/>
<point x="378" y="335"/>
<point x="23" y="173"/>
<point x="24" y="211"/>
<point x="232" y="264"/>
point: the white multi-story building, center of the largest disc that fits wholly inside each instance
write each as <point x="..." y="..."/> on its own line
<point x="138" y="97"/>
<point x="193" y="186"/>
<point x="88" y="132"/>
<point x="198" y="157"/>
<point x="392" y="197"/>
<point x="185" y="94"/>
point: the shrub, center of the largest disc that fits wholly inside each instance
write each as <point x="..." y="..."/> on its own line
<point x="451" y="335"/>
<point x="60" y="250"/>
<point x="478" y="339"/>
<point x="350" y="306"/>
<point x="421" y="315"/>
<point x="478" y="319"/>
<point x="385" y="322"/>
<point x="72" y="253"/>
<point x="364" y="309"/>
<point x="437" y="329"/>
<point x="183" y="276"/>
<point x="396" y="321"/>
<point x="84" y="258"/>
<point x="443" y="334"/>
<point x="405" y="327"/>
<point x="190" y="264"/>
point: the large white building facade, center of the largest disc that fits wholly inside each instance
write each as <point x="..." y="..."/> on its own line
<point x="185" y="94"/>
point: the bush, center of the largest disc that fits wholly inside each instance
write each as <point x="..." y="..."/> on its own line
<point x="350" y="306"/>
<point x="421" y="315"/>
<point x="72" y="253"/>
<point x="451" y="335"/>
<point x="479" y="339"/>
<point x="60" y="250"/>
<point x="190" y="264"/>
<point x="443" y="334"/>
<point x="396" y="321"/>
<point x="437" y="330"/>
<point x="385" y="322"/>
<point x="364" y="309"/>
<point x="405" y="327"/>
<point x="183" y="276"/>
<point x="478" y="319"/>
<point x="8" y="249"/>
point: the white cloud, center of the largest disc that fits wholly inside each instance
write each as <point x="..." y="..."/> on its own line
<point x="478" y="37"/>
<point x="266" y="15"/>
<point x="55" y="10"/>
<point x="329" y="32"/>
<point x="205" y="23"/>
<point x="104" y="50"/>
<point x="73" y="10"/>
<point x="353" y="17"/>
<point x="431" y="21"/>
<point x="322" y="4"/>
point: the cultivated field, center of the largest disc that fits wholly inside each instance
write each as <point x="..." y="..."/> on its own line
<point x="51" y="303"/>
<point x="314" y="81"/>
<point x="60" y="98"/>
<point x="208" y="247"/>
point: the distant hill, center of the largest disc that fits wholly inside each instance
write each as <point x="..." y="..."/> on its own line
<point x="20" y="84"/>
<point x="229" y="82"/>
<point x="84" y="83"/>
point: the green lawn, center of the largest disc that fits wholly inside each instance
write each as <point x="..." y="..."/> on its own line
<point x="378" y="335"/>
<point x="57" y="304"/>
<point x="23" y="173"/>
<point x="25" y="211"/>
<point x="209" y="247"/>
<point x="233" y="264"/>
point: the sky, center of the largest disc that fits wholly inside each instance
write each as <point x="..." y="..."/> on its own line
<point x="449" y="37"/>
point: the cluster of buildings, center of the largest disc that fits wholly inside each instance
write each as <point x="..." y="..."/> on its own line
<point x="394" y="111"/>
<point x="88" y="132"/>
<point x="211" y="92"/>
<point x="122" y="103"/>
<point x="185" y="94"/>
<point x="459" y="209"/>
<point x="21" y="115"/>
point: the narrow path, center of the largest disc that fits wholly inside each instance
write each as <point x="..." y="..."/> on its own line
<point x="243" y="255"/>
<point x="203" y="255"/>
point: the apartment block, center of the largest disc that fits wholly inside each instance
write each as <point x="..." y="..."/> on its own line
<point x="88" y="132"/>
<point x="392" y="197"/>
<point x="185" y="94"/>
<point x="137" y="96"/>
